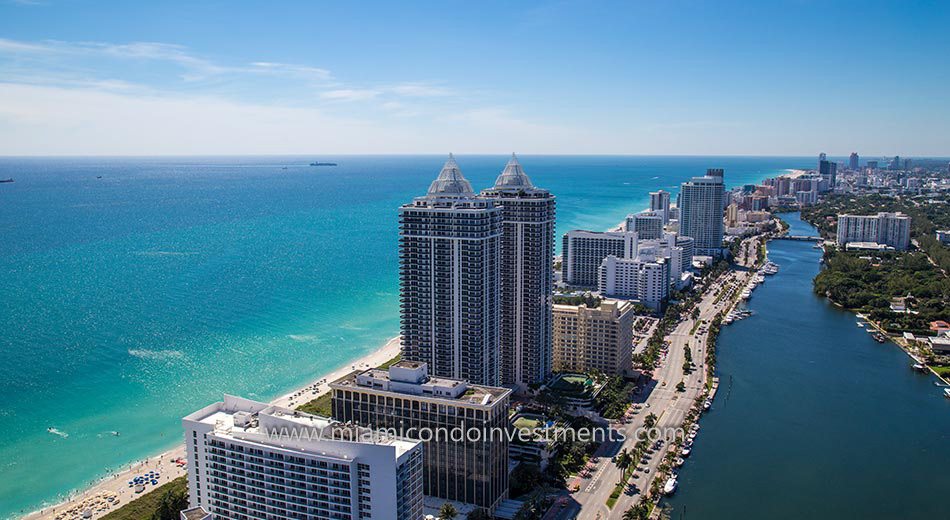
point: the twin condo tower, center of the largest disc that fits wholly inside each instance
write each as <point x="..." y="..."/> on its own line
<point x="476" y="278"/>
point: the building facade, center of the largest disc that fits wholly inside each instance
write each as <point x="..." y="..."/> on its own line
<point x="583" y="251"/>
<point x="594" y="339"/>
<point x="888" y="229"/>
<point x="405" y="398"/>
<point x="249" y="460"/>
<point x="527" y="276"/>
<point x="450" y="279"/>
<point x="647" y="224"/>
<point x="660" y="204"/>
<point x="645" y="279"/>
<point x="701" y="207"/>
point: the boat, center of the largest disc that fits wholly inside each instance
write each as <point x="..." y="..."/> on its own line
<point x="670" y="487"/>
<point x="919" y="367"/>
<point x="678" y="462"/>
<point x="707" y="405"/>
<point x="6" y="180"/>
<point x="946" y="393"/>
<point x="860" y="324"/>
<point x="687" y="450"/>
<point x="316" y="163"/>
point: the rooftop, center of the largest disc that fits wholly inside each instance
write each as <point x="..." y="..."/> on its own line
<point x="450" y="182"/>
<point x="412" y="378"/>
<point x="244" y="419"/>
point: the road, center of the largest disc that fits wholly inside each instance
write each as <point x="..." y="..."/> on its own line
<point x="661" y="399"/>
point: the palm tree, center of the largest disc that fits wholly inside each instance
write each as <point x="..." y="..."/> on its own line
<point x="448" y="511"/>
<point x="623" y="461"/>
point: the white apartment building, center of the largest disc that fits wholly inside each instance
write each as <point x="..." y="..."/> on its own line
<point x="250" y="460"/>
<point x="647" y="224"/>
<point x="645" y="279"/>
<point x="583" y="251"/>
<point x="889" y="229"/>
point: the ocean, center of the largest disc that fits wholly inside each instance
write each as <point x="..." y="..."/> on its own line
<point x="136" y="290"/>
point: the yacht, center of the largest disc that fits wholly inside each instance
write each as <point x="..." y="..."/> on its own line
<point x="670" y="486"/>
<point x="919" y="367"/>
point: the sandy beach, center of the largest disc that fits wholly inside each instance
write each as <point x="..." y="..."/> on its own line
<point x="96" y="498"/>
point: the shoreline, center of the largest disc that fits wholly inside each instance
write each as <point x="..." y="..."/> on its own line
<point x="117" y="484"/>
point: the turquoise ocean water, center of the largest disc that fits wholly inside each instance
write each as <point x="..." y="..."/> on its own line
<point x="129" y="300"/>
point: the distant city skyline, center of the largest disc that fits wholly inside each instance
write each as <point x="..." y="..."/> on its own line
<point x="788" y="78"/>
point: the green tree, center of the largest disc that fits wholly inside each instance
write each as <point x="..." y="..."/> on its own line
<point x="172" y="503"/>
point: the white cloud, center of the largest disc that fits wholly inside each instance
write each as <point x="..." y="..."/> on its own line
<point x="350" y="94"/>
<point x="44" y="120"/>
<point x="419" y="90"/>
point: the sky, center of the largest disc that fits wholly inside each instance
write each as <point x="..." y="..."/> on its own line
<point x="663" y="77"/>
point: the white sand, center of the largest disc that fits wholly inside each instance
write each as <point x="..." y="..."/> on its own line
<point x="117" y="485"/>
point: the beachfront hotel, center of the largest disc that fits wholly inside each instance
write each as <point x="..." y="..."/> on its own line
<point x="599" y="338"/>
<point x="527" y="276"/>
<point x="406" y="398"/>
<point x="250" y="460"/>
<point x="583" y="251"/>
<point x="449" y="280"/>
<point x="884" y="229"/>
<point x="701" y="207"/>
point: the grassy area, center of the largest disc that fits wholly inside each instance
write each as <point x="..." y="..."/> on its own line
<point x="391" y="362"/>
<point x="162" y="503"/>
<point x="527" y="423"/>
<point x="320" y="406"/>
<point x="323" y="405"/>
<point x="943" y="371"/>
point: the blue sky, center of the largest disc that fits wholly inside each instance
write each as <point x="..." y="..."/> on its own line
<point x="635" y="77"/>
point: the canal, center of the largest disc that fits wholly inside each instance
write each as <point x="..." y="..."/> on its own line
<point x="814" y="419"/>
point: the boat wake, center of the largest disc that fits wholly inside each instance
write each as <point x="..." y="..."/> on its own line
<point x="54" y="431"/>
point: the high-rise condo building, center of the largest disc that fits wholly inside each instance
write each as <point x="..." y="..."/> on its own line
<point x="599" y="338"/>
<point x="583" y="251"/>
<point x="645" y="279"/>
<point x="853" y="162"/>
<point x="527" y="276"/>
<point x="889" y="229"/>
<point x="249" y="460"/>
<point x="450" y="279"/>
<point x="660" y="204"/>
<point x="462" y="426"/>
<point x="829" y="173"/>
<point x="647" y="224"/>
<point x="701" y="210"/>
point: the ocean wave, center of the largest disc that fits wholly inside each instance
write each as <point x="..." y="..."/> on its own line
<point x="158" y="355"/>
<point x="303" y="338"/>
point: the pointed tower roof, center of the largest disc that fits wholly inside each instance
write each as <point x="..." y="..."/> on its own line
<point x="513" y="176"/>
<point x="450" y="182"/>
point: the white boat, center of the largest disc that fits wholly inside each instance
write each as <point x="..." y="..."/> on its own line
<point x="678" y="463"/>
<point x="707" y="405"/>
<point x="919" y="367"/>
<point x="687" y="450"/>
<point x="670" y="486"/>
<point x="946" y="393"/>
